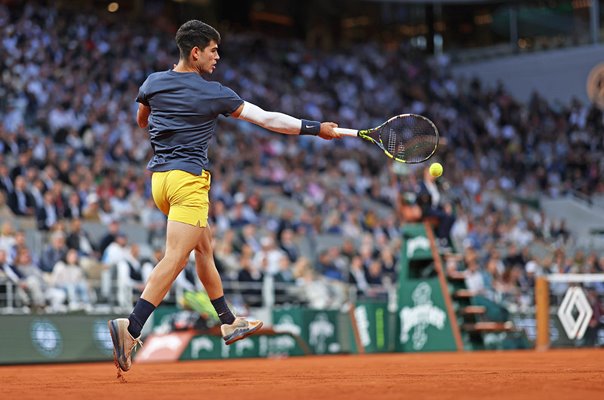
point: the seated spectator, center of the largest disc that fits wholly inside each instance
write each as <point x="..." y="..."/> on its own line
<point x="30" y="282"/>
<point x="473" y="275"/>
<point x="389" y="265"/>
<point x="121" y="208"/>
<point x="6" y="182"/>
<point x="250" y="280"/>
<point x="357" y="277"/>
<point x="109" y="237"/>
<point x="288" y="245"/>
<point x="47" y="215"/>
<point x="54" y="252"/>
<point x="20" y="243"/>
<point x="247" y="236"/>
<point x="348" y="250"/>
<point x="5" y="211"/>
<point x="7" y="236"/>
<point x="132" y="274"/>
<point x="80" y="240"/>
<point x="116" y="252"/>
<point x="284" y="280"/>
<point x="227" y="260"/>
<point x="327" y="267"/>
<point x="375" y="278"/>
<point x="269" y="257"/>
<point x="37" y="191"/>
<point x="315" y="289"/>
<point x="91" y="210"/>
<point x="508" y="287"/>
<point x="73" y="207"/>
<point x="6" y="273"/>
<point x="68" y="276"/>
<point x="20" y="201"/>
<point x="60" y="201"/>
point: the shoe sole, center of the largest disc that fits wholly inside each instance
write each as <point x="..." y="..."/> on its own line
<point x="116" y="347"/>
<point x="243" y="336"/>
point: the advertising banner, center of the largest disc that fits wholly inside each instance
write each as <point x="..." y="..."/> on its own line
<point x="422" y="315"/>
<point x="54" y="338"/>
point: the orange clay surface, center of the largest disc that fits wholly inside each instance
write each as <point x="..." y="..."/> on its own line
<point x="555" y="374"/>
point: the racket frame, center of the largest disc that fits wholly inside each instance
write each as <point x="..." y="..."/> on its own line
<point x="364" y="134"/>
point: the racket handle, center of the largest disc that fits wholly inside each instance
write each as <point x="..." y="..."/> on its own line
<point x="346" y="132"/>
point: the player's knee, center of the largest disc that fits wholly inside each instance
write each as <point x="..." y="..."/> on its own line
<point x="176" y="261"/>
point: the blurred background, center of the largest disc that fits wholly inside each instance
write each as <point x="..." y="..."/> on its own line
<point x="515" y="88"/>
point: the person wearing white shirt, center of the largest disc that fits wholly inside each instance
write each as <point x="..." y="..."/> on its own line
<point x="268" y="259"/>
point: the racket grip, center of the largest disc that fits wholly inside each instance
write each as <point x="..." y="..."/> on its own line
<point x="346" y="132"/>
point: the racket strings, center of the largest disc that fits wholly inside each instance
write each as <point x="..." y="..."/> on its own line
<point x="409" y="138"/>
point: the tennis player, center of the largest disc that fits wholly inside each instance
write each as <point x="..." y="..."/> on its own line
<point x="181" y="110"/>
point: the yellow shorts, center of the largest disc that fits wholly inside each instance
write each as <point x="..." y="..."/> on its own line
<point x="182" y="196"/>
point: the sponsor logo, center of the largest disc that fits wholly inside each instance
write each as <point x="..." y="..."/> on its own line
<point x="286" y="324"/>
<point x="46" y="338"/>
<point x="575" y="326"/>
<point x="420" y="317"/>
<point x="417" y="243"/>
<point x="242" y="346"/>
<point x="321" y="330"/>
<point x="360" y="314"/>
<point x="101" y="336"/>
<point x="201" y="344"/>
<point x="282" y="344"/>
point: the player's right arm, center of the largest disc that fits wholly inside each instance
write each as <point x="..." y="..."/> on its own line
<point x="142" y="115"/>
<point x="283" y="123"/>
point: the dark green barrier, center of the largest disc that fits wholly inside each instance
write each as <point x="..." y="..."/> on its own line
<point x="54" y="338"/>
<point x="320" y="329"/>
<point x="375" y="326"/>
<point x="204" y="347"/>
<point x="162" y="317"/>
<point x="423" y="321"/>
<point x="424" y="325"/>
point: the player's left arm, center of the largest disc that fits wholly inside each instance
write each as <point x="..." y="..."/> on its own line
<point x="283" y="123"/>
<point x="142" y="115"/>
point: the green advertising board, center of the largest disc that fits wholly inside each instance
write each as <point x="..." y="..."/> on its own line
<point x="320" y="329"/>
<point x="203" y="347"/>
<point x="375" y="326"/>
<point x="54" y="338"/>
<point x="423" y="323"/>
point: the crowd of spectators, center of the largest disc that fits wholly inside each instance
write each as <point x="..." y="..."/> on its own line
<point x="71" y="153"/>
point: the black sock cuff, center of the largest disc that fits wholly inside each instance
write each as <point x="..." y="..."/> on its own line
<point x="142" y="310"/>
<point x="223" y="311"/>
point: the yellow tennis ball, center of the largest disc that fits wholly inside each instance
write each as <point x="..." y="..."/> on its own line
<point x="436" y="169"/>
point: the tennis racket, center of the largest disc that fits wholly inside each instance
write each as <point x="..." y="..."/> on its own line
<point x="406" y="138"/>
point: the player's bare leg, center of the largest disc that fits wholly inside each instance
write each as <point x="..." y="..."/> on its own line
<point x="206" y="267"/>
<point x="233" y="328"/>
<point x="181" y="239"/>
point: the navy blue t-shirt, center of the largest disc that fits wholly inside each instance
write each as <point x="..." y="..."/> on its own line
<point x="184" y="111"/>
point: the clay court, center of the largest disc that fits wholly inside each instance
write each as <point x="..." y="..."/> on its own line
<point x="557" y="374"/>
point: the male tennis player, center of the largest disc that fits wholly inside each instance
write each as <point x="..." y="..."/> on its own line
<point x="181" y="110"/>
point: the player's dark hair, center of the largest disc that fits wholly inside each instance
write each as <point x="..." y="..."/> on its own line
<point x="195" y="33"/>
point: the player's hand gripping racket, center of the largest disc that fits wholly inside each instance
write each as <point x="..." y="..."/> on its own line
<point x="407" y="138"/>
